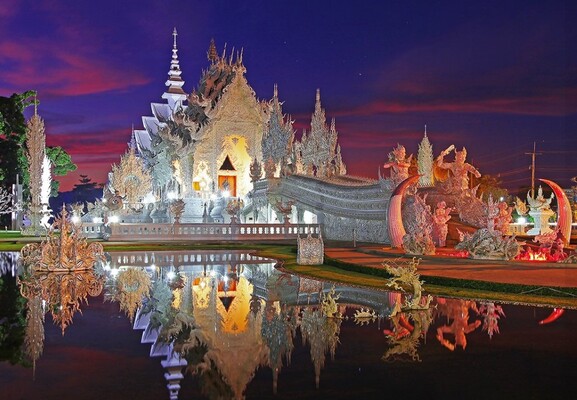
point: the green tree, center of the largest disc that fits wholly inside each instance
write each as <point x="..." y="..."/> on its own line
<point x="13" y="159"/>
<point x="61" y="164"/>
<point x="489" y="184"/>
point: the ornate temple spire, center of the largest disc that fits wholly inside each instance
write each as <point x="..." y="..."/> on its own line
<point x="132" y="143"/>
<point x="425" y="162"/>
<point x="212" y="54"/>
<point x="175" y="95"/>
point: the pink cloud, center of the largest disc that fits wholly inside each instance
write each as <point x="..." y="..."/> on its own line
<point x="57" y="69"/>
<point x="555" y="103"/>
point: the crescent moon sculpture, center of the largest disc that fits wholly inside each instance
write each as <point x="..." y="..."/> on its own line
<point x="394" y="215"/>
<point x="564" y="219"/>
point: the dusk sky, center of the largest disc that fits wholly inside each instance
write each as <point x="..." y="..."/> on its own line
<point x="493" y="76"/>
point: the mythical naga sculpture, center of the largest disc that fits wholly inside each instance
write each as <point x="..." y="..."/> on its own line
<point x="406" y="277"/>
<point x="489" y="245"/>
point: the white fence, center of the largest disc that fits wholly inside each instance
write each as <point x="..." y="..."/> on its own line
<point x="203" y="232"/>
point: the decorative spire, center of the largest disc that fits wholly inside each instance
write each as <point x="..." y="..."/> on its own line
<point x="174" y="94"/>
<point x="425" y="162"/>
<point x="275" y="92"/>
<point x="132" y="143"/>
<point x="174" y="81"/>
<point x="212" y="54"/>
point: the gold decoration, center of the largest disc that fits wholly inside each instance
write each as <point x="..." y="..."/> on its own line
<point x="405" y="338"/>
<point x="62" y="291"/>
<point x="131" y="180"/>
<point x="34" y="335"/>
<point x="133" y="285"/>
<point x="64" y="252"/>
<point x="405" y="277"/>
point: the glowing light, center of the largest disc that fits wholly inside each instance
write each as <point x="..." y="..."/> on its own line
<point x="170" y="275"/>
<point x="149" y="198"/>
<point x="113" y="219"/>
<point x="75" y="219"/>
<point x="226" y="193"/>
<point x="97" y="220"/>
<point x="114" y="272"/>
<point x="522" y="220"/>
<point x="172" y="195"/>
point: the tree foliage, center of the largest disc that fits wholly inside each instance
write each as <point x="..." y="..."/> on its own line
<point x="13" y="159"/>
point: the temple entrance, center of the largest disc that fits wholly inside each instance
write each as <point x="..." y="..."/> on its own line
<point x="227" y="177"/>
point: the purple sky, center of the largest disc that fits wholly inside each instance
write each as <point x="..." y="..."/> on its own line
<point x="493" y="76"/>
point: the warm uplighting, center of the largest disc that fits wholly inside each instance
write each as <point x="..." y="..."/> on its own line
<point x="149" y="198"/>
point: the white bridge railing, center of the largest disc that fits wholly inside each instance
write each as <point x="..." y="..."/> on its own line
<point x="200" y="232"/>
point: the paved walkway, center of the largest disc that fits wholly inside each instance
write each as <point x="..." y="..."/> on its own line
<point x="519" y="272"/>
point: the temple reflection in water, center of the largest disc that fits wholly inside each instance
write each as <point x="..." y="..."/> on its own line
<point x="230" y="322"/>
<point x="221" y="316"/>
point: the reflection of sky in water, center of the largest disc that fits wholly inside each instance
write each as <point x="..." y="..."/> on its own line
<point x="241" y="308"/>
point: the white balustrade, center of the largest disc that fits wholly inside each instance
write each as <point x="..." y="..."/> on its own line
<point x="203" y="232"/>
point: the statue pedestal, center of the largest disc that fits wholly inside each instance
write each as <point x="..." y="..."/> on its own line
<point x="193" y="210"/>
<point x="541" y="221"/>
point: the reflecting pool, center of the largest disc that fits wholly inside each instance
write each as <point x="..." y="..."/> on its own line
<point x="231" y="325"/>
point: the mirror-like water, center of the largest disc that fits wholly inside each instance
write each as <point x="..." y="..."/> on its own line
<point x="227" y="325"/>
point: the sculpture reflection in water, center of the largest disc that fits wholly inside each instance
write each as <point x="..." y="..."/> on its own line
<point x="57" y="276"/>
<point x="457" y="313"/>
<point x="221" y="318"/>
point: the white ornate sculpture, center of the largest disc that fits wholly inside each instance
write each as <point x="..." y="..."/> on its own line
<point x="440" y="218"/>
<point x="489" y="245"/>
<point x="36" y="153"/>
<point x="419" y="221"/>
<point x="399" y="164"/>
<point x="425" y="162"/>
<point x="130" y="179"/>
<point x="310" y="250"/>
<point x="540" y="210"/>
<point x="319" y="150"/>
<point x="278" y="136"/>
<point x="503" y="218"/>
<point x="459" y="180"/>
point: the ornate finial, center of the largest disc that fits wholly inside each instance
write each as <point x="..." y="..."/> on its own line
<point x="275" y="92"/>
<point x="425" y="130"/>
<point x="174" y="82"/>
<point x="132" y="143"/>
<point x="318" y="99"/>
<point x="212" y="54"/>
<point x="35" y="105"/>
